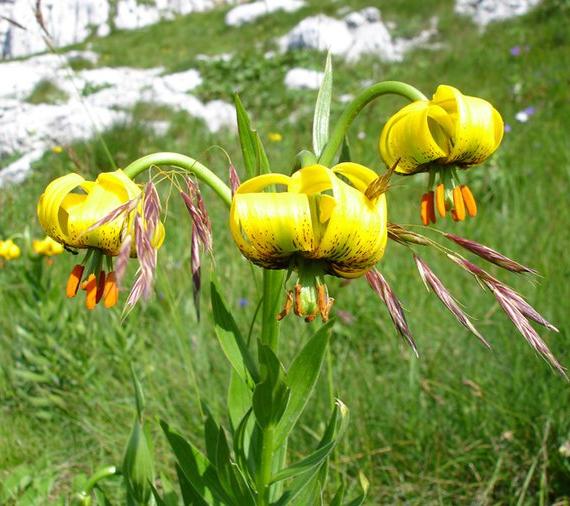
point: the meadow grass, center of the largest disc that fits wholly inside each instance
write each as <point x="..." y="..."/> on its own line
<point x="461" y="425"/>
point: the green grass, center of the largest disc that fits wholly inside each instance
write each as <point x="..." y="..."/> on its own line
<point x="46" y="92"/>
<point x="461" y="425"/>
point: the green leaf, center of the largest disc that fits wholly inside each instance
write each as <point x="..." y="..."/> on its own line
<point x="196" y="468"/>
<point x="339" y="496"/>
<point x="231" y="340"/>
<point x="230" y="476"/>
<point x="311" y="461"/>
<point x="301" y="378"/>
<point x="189" y="495"/>
<point x="247" y="139"/>
<point x="335" y="429"/>
<point x="239" y="399"/>
<point x="361" y="498"/>
<point x="345" y="151"/>
<point x="260" y="156"/>
<point x="271" y="395"/>
<point x="323" y="109"/>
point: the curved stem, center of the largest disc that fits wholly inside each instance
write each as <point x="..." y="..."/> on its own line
<point x="186" y="163"/>
<point x="364" y="98"/>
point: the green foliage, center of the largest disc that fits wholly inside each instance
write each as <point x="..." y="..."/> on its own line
<point x="46" y="92"/>
<point x="459" y="426"/>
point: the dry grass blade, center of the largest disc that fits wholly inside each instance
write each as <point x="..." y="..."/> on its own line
<point x="234" y="178"/>
<point x="490" y="255"/>
<point x="526" y="330"/>
<point x="381" y="184"/>
<point x="125" y="208"/>
<point x="395" y="309"/>
<point x="40" y="18"/>
<point x="434" y="284"/>
<point x="404" y="236"/>
<point x="13" y="22"/>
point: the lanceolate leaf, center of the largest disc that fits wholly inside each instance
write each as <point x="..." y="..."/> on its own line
<point x="301" y="378"/>
<point x="246" y="138"/>
<point x="261" y="157"/>
<point x="361" y="498"/>
<point x="199" y="472"/>
<point x="311" y="461"/>
<point x="239" y="399"/>
<point x="231" y="340"/>
<point x="322" y="110"/>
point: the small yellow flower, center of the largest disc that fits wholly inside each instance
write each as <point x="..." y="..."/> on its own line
<point x="275" y="137"/>
<point x="57" y="150"/>
<point x="320" y="225"/>
<point x="9" y="250"/>
<point x="47" y="247"/>
<point x="68" y="210"/>
<point x="450" y="131"/>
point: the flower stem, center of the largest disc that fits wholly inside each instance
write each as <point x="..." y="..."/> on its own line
<point x="266" y="466"/>
<point x="364" y="98"/>
<point x="186" y="163"/>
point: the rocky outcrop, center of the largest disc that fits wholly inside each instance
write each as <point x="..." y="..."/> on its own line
<point x="98" y="98"/>
<point x="357" y="34"/>
<point x="70" y="21"/>
<point x="484" y="12"/>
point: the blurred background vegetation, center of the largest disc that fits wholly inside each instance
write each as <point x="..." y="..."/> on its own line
<point x="461" y="425"/>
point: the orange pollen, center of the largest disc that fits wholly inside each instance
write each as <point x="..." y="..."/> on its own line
<point x="440" y="199"/>
<point x="74" y="280"/>
<point x="91" y="289"/>
<point x="100" y="287"/>
<point x="469" y="200"/>
<point x="111" y="291"/>
<point x="458" y="203"/>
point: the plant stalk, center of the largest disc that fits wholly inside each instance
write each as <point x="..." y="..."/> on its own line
<point x="359" y="102"/>
<point x="183" y="162"/>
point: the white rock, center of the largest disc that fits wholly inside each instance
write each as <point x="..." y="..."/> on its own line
<point x="484" y="12"/>
<point x="359" y="33"/>
<point x="321" y="33"/>
<point x="247" y="13"/>
<point x="183" y="81"/>
<point x="303" y="79"/>
<point x="71" y="21"/>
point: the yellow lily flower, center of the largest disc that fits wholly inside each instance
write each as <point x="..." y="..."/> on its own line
<point x="320" y="225"/>
<point x="97" y="216"/>
<point x="47" y="247"/>
<point x="450" y="131"/>
<point x="9" y="250"/>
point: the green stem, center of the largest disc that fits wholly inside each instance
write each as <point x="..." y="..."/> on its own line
<point x="183" y="162"/>
<point x="364" y="98"/>
<point x="272" y="297"/>
<point x="266" y="466"/>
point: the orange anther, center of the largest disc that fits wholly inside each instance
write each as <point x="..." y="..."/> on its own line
<point x="424" y="213"/>
<point x="100" y="287"/>
<point x="458" y="204"/>
<point x="91" y="289"/>
<point x="440" y="199"/>
<point x="469" y="200"/>
<point x="74" y="280"/>
<point x="111" y="292"/>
